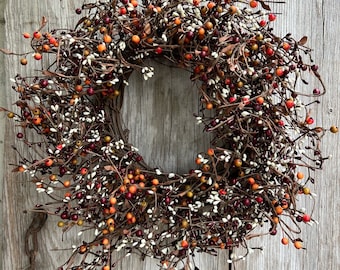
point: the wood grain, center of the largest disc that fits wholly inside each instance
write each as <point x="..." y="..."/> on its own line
<point x="159" y="115"/>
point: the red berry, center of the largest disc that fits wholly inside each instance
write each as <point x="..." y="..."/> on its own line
<point x="123" y="11"/>
<point x="83" y="171"/>
<point x="232" y="99"/>
<point x="270" y="51"/>
<point x="280" y="123"/>
<point x="306" y="218"/>
<point x="262" y="23"/>
<point x="37" y="35"/>
<point x="158" y="50"/>
<point x="227" y="81"/>
<point x="290" y="103"/>
<point x="309" y="120"/>
<point x="271" y="17"/>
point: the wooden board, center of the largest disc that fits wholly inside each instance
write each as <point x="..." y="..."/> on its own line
<point x="159" y="115"/>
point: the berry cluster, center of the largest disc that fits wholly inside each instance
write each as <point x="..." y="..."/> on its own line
<point x="264" y="137"/>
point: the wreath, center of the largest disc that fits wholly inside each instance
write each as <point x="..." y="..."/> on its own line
<point x="265" y="144"/>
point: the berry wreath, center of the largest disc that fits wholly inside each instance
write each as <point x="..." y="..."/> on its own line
<point x="264" y="137"/>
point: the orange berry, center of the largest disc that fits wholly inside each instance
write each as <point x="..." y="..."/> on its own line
<point x="132" y="220"/>
<point x="141" y="177"/>
<point x="184" y="244"/>
<point x="101" y="47"/>
<point x="26" y="35"/>
<point x="260" y="100"/>
<point x="201" y="31"/>
<point x="122" y="188"/>
<point x="106" y="267"/>
<point x="133" y="189"/>
<point x="105" y="241"/>
<point x="255" y="186"/>
<point x="209" y="25"/>
<point x="286" y="46"/>
<point x="251" y="180"/>
<point x="278" y="210"/>
<point x="198" y="161"/>
<point x="233" y="9"/>
<point x="126" y="181"/>
<point x="110" y="222"/>
<point x="159" y="9"/>
<point x="36" y="120"/>
<point x="298" y="244"/>
<point x="177" y="21"/>
<point x="209" y="106"/>
<point x="23" y="61"/>
<point x="135" y="39"/>
<point x="155" y="181"/>
<point x="253" y="4"/>
<point x="46" y="47"/>
<point x="210" y="152"/>
<point x="149" y="40"/>
<point x="67" y="183"/>
<point x="49" y="162"/>
<point x="112" y="210"/>
<point x="134" y="3"/>
<point x="129" y="215"/>
<point x="141" y="185"/>
<point x="37" y="56"/>
<point x="276" y="220"/>
<point x="113" y="200"/>
<point x="285" y="241"/>
<point x="107" y="38"/>
<point x="211" y="5"/>
<point x="188" y="56"/>
<point x="300" y="175"/>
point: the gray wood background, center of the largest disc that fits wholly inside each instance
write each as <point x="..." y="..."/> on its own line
<point x="159" y="113"/>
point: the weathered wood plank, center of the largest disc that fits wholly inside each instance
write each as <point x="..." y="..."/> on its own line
<point x="159" y="113"/>
<point x="319" y="21"/>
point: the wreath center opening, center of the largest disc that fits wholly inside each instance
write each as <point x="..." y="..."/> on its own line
<point x="159" y="114"/>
